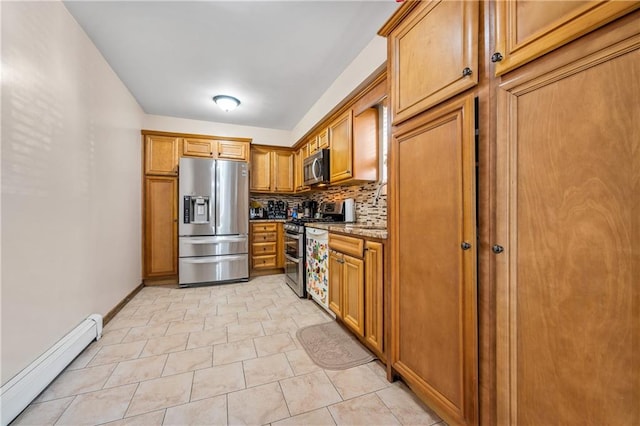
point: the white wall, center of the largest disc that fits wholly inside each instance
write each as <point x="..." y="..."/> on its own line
<point x="367" y="61"/>
<point x="260" y="135"/>
<point x="71" y="191"/>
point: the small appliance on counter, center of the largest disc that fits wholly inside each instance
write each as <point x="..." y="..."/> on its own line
<point x="257" y="211"/>
<point x="276" y="209"/>
<point x="309" y="208"/>
<point x="349" y="210"/>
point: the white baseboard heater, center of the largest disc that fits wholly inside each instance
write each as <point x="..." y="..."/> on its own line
<point x="18" y="392"/>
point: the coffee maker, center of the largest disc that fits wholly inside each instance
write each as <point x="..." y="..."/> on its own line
<point x="309" y="208"/>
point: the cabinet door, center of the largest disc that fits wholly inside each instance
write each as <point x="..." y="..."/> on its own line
<point x="340" y="137"/>
<point x="161" y="226"/>
<point x="526" y="30"/>
<point x="366" y="144"/>
<point x="434" y="299"/>
<point x="161" y="155"/>
<point x="336" y="267"/>
<point x="312" y="144"/>
<point x="260" y="170"/>
<point x="323" y="139"/>
<point x="353" y="294"/>
<point x="569" y="219"/>
<point x="433" y="55"/>
<point x="373" y="293"/>
<point x="198" y="147"/>
<point x="282" y="171"/>
<point x="232" y="150"/>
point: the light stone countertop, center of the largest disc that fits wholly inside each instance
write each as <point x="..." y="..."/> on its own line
<point x="267" y="220"/>
<point x="355" y="229"/>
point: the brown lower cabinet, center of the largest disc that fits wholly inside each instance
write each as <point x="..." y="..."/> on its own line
<point x="267" y="251"/>
<point x="356" y="287"/>
<point x="161" y="226"/>
<point x="433" y="297"/>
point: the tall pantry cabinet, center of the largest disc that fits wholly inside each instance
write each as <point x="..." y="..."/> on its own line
<point x="514" y="209"/>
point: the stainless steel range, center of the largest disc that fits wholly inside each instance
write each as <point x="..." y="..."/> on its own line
<point x="294" y="257"/>
<point x="295" y="243"/>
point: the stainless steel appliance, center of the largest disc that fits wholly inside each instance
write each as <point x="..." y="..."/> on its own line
<point x="214" y="221"/>
<point x="294" y="267"/>
<point x="309" y="208"/>
<point x="316" y="168"/>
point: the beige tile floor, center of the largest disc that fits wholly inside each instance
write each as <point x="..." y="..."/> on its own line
<point x="218" y="355"/>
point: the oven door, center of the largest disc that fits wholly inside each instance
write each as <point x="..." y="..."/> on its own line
<point x="293" y="244"/>
<point x="294" y="274"/>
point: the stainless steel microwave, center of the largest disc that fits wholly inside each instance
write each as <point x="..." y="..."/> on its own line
<point x="315" y="168"/>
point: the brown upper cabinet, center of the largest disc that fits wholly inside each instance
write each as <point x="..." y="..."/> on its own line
<point x="341" y="158"/>
<point x="214" y="148"/>
<point x="161" y="155"/>
<point x="298" y="178"/>
<point x="433" y="54"/>
<point x="233" y="150"/>
<point x="272" y="170"/>
<point x="526" y="30"/>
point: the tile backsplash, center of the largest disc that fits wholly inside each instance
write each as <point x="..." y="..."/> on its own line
<point x="368" y="211"/>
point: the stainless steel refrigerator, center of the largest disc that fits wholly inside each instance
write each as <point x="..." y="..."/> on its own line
<point x="214" y="221"/>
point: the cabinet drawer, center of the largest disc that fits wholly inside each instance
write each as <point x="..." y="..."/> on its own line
<point x="260" y="249"/>
<point x="347" y="245"/>
<point x="263" y="237"/>
<point x="264" y="262"/>
<point x="264" y="227"/>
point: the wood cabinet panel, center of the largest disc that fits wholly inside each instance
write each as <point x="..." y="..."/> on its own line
<point x="336" y="272"/>
<point x="526" y="30"/>
<point x="429" y="52"/>
<point x="323" y="139"/>
<point x="312" y="144"/>
<point x="232" y="150"/>
<point x="161" y="226"/>
<point x="374" y="295"/>
<point x="341" y="158"/>
<point x="298" y="163"/>
<point x="353" y="294"/>
<point x="366" y="144"/>
<point x="568" y="216"/>
<point x="282" y="171"/>
<point x="161" y="155"/>
<point x="261" y="249"/>
<point x="198" y="147"/>
<point x="264" y="262"/>
<point x="264" y="227"/>
<point x="260" y="170"/>
<point x="434" y="338"/>
<point x="345" y="244"/>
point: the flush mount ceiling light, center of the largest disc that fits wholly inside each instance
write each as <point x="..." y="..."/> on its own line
<point x="227" y="103"/>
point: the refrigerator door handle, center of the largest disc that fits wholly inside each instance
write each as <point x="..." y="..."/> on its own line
<point x="212" y="259"/>
<point x="214" y="240"/>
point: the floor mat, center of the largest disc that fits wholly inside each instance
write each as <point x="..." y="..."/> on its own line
<point x="332" y="347"/>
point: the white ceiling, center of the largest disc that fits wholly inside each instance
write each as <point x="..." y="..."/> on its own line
<point x="277" y="57"/>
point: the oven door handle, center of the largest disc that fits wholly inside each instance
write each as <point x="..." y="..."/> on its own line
<point x="293" y="236"/>
<point x="291" y="258"/>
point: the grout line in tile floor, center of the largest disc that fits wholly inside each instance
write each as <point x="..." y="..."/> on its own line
<point x="261" y="300"/>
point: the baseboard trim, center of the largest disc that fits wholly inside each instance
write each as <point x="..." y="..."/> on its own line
<point x="112" y="313"/>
